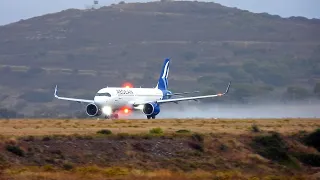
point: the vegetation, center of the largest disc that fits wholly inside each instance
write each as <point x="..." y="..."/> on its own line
<point x="183" y="131"/>
<point x="67" y="166"/>
<point x="271" y="147"/>
<point x="15" y="150"/>
<point x="312" y="139"/>
<point x="255" y="128"/>
<point x="104" y="131"/>
<point x="309" y="159"/>
<point x="176" y="154"/>
<point x="157" y="131"/>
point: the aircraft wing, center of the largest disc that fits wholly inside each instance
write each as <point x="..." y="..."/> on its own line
<point x="175" y="100"/>
<point x="71" y="99"/>
<point x="193" y="98"/>
<point x="178" y="94"/>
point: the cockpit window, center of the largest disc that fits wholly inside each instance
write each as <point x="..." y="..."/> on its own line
<point x="103" y="94"/>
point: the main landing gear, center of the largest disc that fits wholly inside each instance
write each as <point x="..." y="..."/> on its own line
<point x="112" y="116"/>
<point x="149" y="117"/>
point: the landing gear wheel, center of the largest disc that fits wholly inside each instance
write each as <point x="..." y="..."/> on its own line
<point x="112" y="116"/>
<point x="149" y="117"/>
<point x="115" y="116"/>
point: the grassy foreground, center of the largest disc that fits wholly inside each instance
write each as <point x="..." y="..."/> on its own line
<point x="24" y="127"/>
<point x="160" y="149"/>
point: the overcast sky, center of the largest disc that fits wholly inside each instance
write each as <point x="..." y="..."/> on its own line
<point x="14" y="10"/>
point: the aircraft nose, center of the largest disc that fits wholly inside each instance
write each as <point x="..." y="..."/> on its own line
<point x="99" y="100"/>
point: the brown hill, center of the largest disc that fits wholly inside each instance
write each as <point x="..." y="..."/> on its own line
<point x="209" y="44"/>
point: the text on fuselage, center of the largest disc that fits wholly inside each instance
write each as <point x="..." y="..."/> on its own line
<point x="124" y="92"/>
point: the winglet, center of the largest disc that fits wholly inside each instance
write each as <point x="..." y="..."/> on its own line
<point x="55" y="91"/>
<point x="228" y="88"/>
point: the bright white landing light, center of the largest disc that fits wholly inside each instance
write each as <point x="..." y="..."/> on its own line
<point x="107" y="110"/>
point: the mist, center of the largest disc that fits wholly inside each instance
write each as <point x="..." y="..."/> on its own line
<point x="237" y="111"/>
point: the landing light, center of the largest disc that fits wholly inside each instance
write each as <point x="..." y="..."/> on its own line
<point x="107" y="110"/>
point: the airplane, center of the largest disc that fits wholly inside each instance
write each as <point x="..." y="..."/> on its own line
<point x="110" y="100"/>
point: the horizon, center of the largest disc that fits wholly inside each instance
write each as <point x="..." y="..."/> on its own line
<point x="283" y="8"/>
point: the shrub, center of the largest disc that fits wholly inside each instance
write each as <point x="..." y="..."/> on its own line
<point x="197" y="142"/>
<point x="198" y="137"/>
<point x="123" y="135"/>
<point x="105" y="132"/>
<point x="310" y="159"/>
<point x="223" y="147"/>
<point x="271" y="147"/>
<point x="255" y="128"/>
<point x="67" y="166"/>
<point x="156" y="131"/>
<point x="15" y="150"/>
<point x="196" y="146"/>
<point x="29" y="138"/>
<point x="48" y="168"/>
<point x="183" y="131"/>
<point x="46" y="138"/>
<point x="313" y="139"/>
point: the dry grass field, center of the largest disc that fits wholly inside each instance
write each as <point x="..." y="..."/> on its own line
<point x="24" y="127"/>
<point x="219" y="149"/>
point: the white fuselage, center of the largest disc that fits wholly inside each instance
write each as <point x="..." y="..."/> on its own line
<point x="117" y="98"/>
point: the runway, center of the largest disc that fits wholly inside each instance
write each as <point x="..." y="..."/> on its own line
<point x="237" y="111"/>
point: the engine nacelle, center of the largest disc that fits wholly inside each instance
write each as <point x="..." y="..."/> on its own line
<point x="151" y="109"/>
<point x="93" y="110"/>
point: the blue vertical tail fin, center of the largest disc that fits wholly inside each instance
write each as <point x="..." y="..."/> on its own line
<point x="163" y="79"/>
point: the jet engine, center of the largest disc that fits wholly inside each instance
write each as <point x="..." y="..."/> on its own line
<point x="93" y="110"/>
<point x="151" y="109"/>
